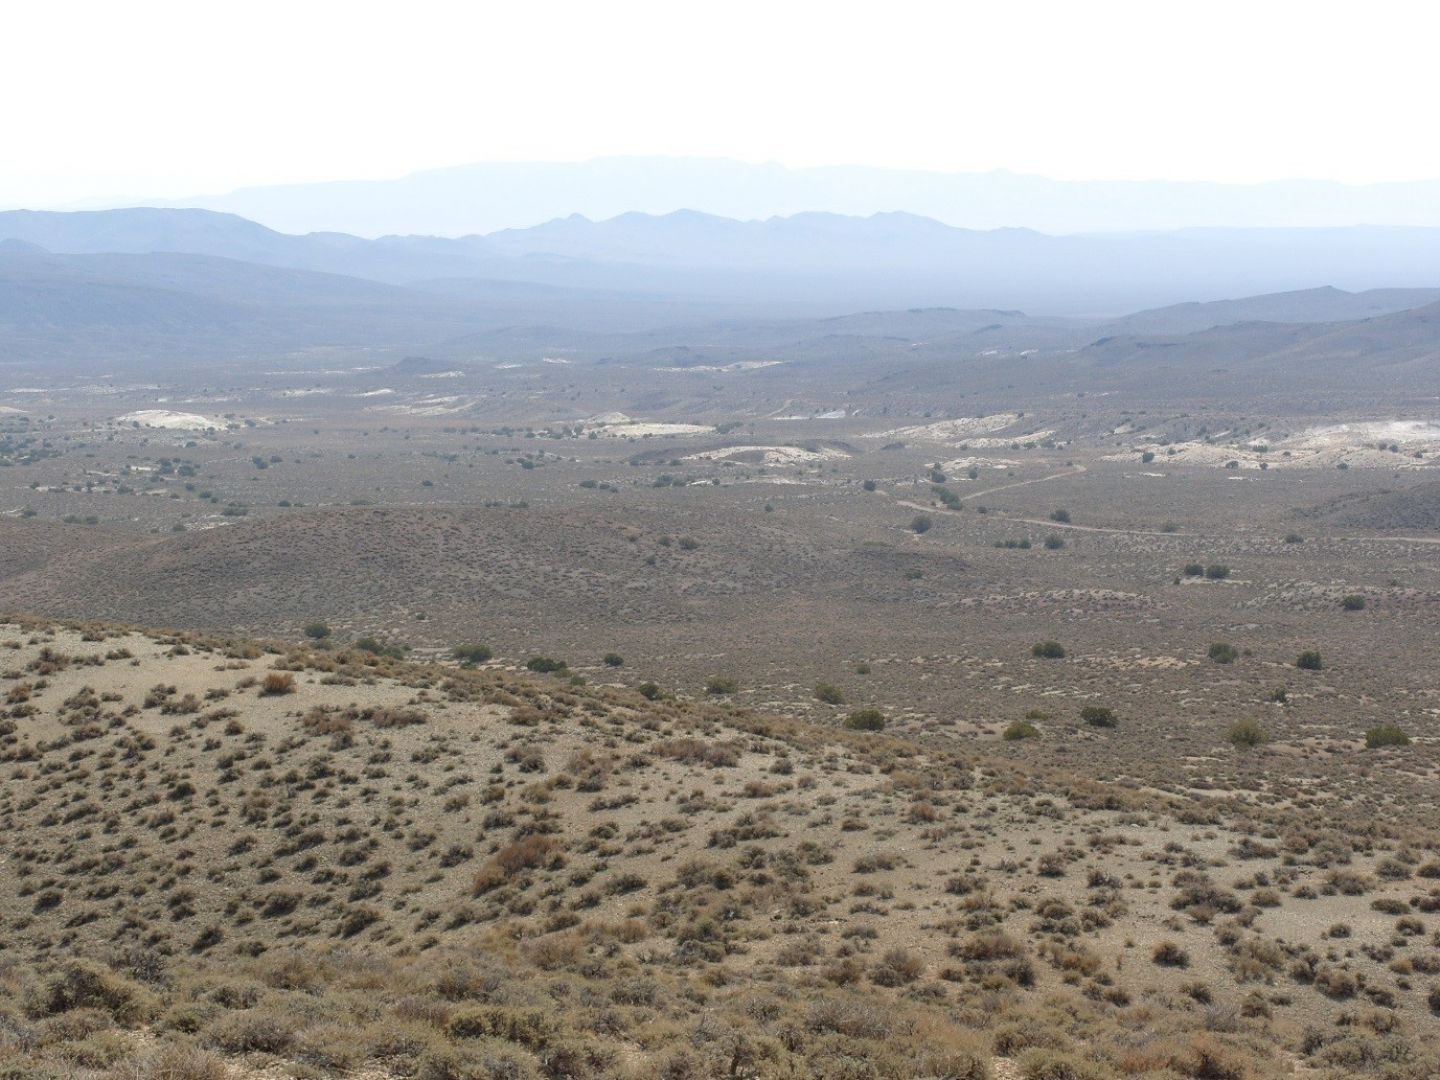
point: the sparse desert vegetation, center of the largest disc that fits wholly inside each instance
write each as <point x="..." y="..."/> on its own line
<point x="748" y="745"/>
<point x="555" y="881"/>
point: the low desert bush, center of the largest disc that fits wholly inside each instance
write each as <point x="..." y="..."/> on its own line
<point x="1245" y="734"/>
<point x="866" y="720"/>
<point x="470" y="655"/>
<point x="1042" y="1064"/>
<point x="83" y="984"/>
<point x="175" y="1062"/>
<point x="277" y="683"/>
<point x="898" y="967"/>
<point x="1169" y="954"/>
<point x="529" y="1028"/>
<point x="1222" y="652"/>
<point x="531" y="852"/>
<point x="1385" y="735"/>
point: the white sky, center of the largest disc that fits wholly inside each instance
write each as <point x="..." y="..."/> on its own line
<point x="100" y="98"/>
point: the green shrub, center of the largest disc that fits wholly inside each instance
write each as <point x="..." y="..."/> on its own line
<point x="720" y="684"/>
<point x="1385" y="735"/>
<point x="829" y="694"/>
<point x="921" y="523"/>
<point x="317" y="630"/>
<point x="545" y="664"/>
<point x="1098" y="716"/>
<point x="1054" y="543"/>
<point x="649" y="691"/>
<point x="946" y="496"/>
<point x="1062" y="516"/>
<point x="1353" y="602"/>
<point x="1222" y="652"/>
<point x="1048" y="650"/>
<point x="470" y="655"/>
<point x="866" y="720"/>
<point x="1309" y="660"/>
<point x="613" y="659"/>
<point x="1194" y="569"/>
<point x="869" y="485"/>
<point x="1245" y="734"/>
<point x="1021" y="729"/>
<point x="1217" y="571"/>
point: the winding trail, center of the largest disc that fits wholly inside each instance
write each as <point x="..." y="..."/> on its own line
<point x="1074" y="471"/>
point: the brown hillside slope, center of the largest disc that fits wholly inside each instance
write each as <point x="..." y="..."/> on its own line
<point x="328" y="863"/>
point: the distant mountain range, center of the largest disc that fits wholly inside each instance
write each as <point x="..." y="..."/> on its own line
<point x="487" y="197"/>
<point x="824" y="261"/>
<point x="145" y="285"/>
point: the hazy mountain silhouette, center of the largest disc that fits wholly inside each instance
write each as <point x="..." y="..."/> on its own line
<point x="845" y="263"/>
<point x="486" y="197"/>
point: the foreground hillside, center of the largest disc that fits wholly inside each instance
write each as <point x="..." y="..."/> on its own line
<point x="230" y="859"/>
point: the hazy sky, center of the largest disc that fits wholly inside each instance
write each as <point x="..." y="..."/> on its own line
<point x="106" y="99"/>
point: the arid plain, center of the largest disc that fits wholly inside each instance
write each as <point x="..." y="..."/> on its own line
<point x="811" y="714"/>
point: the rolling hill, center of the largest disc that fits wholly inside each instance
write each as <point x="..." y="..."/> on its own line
<point x="1325" y="304"/>
<point x="119" y="306"/>
<point x="1395" y="348"/>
